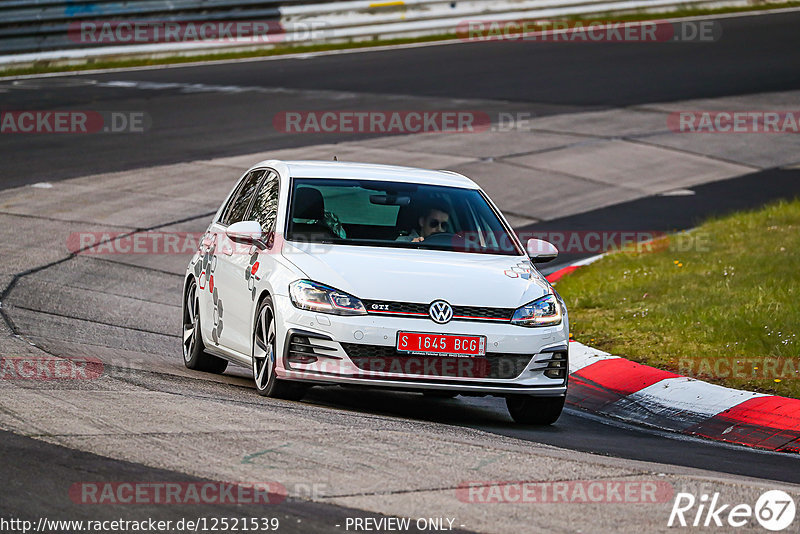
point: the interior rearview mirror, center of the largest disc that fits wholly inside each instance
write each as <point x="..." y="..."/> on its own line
<point x="390" y="200"/>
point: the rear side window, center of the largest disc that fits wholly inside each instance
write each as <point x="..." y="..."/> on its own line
<point x="237" y="206"/>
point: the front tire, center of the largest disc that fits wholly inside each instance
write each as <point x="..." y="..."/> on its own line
<point x="194" y="355"/>
<point x="530" y="410"/>
<point x="264" y="357"/>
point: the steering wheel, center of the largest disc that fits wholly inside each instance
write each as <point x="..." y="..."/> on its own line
<point x="442" y="238"/>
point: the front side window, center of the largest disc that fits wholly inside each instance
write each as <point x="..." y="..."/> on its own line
<point x="237" y="206"/>
<point x="396" y="214"/>
<point x="265" y="205"/>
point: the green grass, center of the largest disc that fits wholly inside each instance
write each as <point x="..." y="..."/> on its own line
<point x="47" y="67"/>
<point x="715" y="303"/>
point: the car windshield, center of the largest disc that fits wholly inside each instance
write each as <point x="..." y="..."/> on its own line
<point x="396" y="214"/>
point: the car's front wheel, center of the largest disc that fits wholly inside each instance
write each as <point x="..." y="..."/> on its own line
<point x="194" y="355"/>
<point x="264" y="357"/>
<point x="530" y="410"/>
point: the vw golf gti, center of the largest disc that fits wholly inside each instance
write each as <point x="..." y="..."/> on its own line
<point x="351" y="274"/>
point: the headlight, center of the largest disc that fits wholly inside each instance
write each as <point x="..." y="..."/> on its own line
<point x="308" y="295"/>
<point x="545" y="311"/>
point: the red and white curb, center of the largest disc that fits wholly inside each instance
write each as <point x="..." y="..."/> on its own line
<point x="637" y="393"/>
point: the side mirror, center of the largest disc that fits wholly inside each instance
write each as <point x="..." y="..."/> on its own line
<point x="245" y="232"/>
<point x="541" y="251"/>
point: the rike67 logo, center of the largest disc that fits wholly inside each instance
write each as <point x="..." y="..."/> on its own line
<point x="774" y="510"/>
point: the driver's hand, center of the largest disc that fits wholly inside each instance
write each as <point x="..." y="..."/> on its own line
<point x="418" y="239"/>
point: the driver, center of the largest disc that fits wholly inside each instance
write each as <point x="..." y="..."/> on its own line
<point x="434" y="220"/>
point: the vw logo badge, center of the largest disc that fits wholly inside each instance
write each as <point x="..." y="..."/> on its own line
<point x="440" y="311"/>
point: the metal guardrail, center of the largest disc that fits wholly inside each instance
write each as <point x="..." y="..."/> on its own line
<point x="40" y="30"/>
<point x="38" y="25"/>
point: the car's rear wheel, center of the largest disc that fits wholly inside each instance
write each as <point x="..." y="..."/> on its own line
<point x="530" y="410"/>
<point x="194" y="354"/>
<point x="264" y="357"/>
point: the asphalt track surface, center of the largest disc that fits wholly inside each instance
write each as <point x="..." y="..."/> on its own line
<point x="675" y="213"/>
<point x="227" y="109"/>
<point x="574" y="430"/>
<point x="757" y="54"/>
<point x="55" y="468"/>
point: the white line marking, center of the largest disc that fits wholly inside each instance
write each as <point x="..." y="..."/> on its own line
<point x="677" y="193"/>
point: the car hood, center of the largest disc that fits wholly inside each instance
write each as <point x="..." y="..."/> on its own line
<point x="421" y="276"/>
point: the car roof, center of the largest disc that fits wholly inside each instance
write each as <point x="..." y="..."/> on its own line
<point x="369" y="171"/>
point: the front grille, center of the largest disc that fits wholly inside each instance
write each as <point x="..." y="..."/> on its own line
<point x="420" y="311"/>
<point x="383" y="358"/>
<point x="385" y="306"/>
<point x="483" y="313"/>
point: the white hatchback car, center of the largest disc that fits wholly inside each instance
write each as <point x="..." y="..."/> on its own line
<point x="380" y="276"/>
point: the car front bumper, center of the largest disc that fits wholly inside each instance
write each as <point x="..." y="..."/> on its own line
<point x="346" y="349"/>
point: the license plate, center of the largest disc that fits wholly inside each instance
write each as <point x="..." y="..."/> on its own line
<point x="437" y="344"/>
